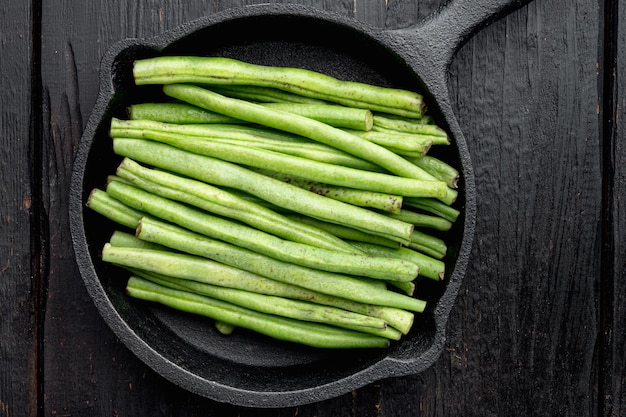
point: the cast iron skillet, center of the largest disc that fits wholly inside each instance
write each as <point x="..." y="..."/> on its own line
<point x="243" y="368"/>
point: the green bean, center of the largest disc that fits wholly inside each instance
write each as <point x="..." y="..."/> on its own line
<point x="218" y="201"/>
<point x="407" y="288"/>
<point x="431" y="245"/>
<point x="398" y="142"/>
<point x="422" y="220"/>
<point x="299" y="125"/>
<point x="299" y="310"/>
<point x="426" y="250"/>
<point x="388" y="122"/>
<point x="438" y="169"/>
<point x="126" y="240"/>
<point x="311" y="151"/>
<point x="224" y="328"/>
<point x="101" y="202"/>
<point x="276" y="192"/>
<point x="279" y="306"/>
<point x="331" y="114"/>
<point x="282" y="275"/>
<point x="433" y="206"/>
<point x="313" y="170"/>
<point x="182" y="265"/>
<point x="205" y="130"/>
<point x="263" y="94"/>
<point x="312" y="334"/>
<point x="254" y="239"/>
<point x="345" y="232"/>
<point x="226" y="71"/>
<point x="115" y="177"/>
<point x="180" y="113"/>
<point x="405" y="153"/>
<point x="429" y="267"/>
<point x="381" y="201"/>
<point x="205" y="263"/>
<point x="245" y="135"/>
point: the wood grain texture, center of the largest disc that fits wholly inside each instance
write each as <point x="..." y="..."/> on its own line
<point x="614" y="366"/>
<point x="528" y="319"/>
<point x="18" y="284"/>
<point x="523" y="335"/>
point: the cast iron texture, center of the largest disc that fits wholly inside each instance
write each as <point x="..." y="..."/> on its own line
<point x="244" y="368"/>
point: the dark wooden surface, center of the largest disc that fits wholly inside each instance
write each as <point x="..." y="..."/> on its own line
<point x="538" y="329"/>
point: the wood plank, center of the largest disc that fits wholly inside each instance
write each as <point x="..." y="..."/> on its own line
<point x="20" y="285"/>
<point x="613" y="372"/>
<point x="529" y="314"/>
<point x="523" y="334"/>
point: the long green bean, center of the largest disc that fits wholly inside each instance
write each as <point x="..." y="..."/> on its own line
<point x="345" y="232"/>
<point x="313" y="170"/>
<point x="438" y="169"/>
<point x="101" y="202"/>
<point x="429" y="244"/>
<point x="312" y="334"/>
<point x="429" y="267"/>
<point x="121" y="127"/>
<point x="433" y="206"/>
<point x="226" y="71"/>
<point x="333" y="115"/>
<point x="303" y="126"/>
<point x="180" y="113"/>
<point x="127" y="240"/>
<point x="221" y="202"/>
<point x="245" y="136"/>
<point x="254" y="239"/>
<point x="276" y="192"/>
<point x="187" y="266"/>
<point x="259" y="94"/>
<point x="387" y="122"/>
<point x="279" y="306"/>
<point x="282" y="275"/>
<point x="271" y="304"/>
<point x="422" y="220"/>
<point x="407" y="288"/>
<point x="411" y="144"/>
<point x="381" y="201"/>
<point x="268" y="276"/>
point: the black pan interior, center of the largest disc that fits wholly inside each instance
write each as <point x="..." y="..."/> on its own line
<point x="243" y="360"/>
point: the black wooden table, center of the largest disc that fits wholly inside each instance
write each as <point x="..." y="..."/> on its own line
<point x="538" y="328"/>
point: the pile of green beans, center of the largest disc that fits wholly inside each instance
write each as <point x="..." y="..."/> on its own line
<point x="279" y="200"/>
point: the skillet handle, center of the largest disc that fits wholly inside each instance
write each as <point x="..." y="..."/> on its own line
<point x="443" y="33"/>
